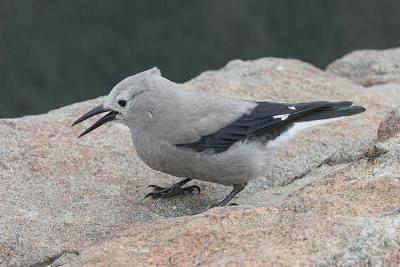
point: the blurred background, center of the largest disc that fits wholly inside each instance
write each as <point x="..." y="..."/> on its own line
<point x="53" y="52"/>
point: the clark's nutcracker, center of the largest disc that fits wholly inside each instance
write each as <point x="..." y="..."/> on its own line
<point x="196" y="135"/>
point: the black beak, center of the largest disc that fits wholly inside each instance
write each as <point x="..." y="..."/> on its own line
<point x="97" y="110"/>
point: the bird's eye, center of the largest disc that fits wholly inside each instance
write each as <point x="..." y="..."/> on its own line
<point x="122" y="103"/>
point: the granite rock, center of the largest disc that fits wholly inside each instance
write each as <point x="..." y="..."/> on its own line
<point x="369" y="67"/>
<point x="348" y="216"/>
<point x="60" y="195"/>
<point x="390" y="125"/>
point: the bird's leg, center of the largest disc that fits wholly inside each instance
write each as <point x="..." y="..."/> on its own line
<point x="174" y="190"/>
<point x="237" y="188"/>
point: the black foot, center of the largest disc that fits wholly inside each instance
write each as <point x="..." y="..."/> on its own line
<point x="163" y="192"/>
<point x="224" y="205"/>
<point x="237" y="188"/>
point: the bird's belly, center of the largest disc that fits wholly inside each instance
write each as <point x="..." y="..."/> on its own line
<point x="235" y="166"/>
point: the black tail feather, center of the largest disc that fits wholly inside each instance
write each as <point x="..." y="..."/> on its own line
<point x="324" y="105"/>
<point x="335" y="110"/>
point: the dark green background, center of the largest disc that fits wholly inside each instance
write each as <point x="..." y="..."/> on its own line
<point x="55" y="52"/>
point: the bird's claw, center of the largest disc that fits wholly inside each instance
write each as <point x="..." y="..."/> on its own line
<point x="163" y="192"/>
<point x="156" y="187"/>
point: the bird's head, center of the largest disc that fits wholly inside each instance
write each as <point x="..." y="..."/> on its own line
<point x="124" y="100"/>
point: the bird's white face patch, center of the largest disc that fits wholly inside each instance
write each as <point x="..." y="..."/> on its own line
<point x="282" y="116"/>
<point x="292" y="107"/>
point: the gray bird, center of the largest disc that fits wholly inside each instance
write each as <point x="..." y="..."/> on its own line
<point x="196" y="135"/>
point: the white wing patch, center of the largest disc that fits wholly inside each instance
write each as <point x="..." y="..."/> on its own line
<point x="282" y="116"/>
<point x="292" y="107"/>
<point x="296" y="129"/>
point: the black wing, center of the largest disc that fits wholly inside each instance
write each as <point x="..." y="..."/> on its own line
<point x="269" y="120"/>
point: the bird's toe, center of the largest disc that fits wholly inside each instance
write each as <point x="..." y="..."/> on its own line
<point x="162" y="192"/>
<point x="156" y="187"/>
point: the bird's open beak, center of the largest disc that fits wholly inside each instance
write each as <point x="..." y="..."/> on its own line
<point x="97" y="110"/>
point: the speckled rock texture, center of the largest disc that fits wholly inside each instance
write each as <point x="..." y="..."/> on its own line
<point x="348" y="217"/>
<point x="326" y="200"/>
<point x="390" y="126"/>
<point x="369" y="67"/>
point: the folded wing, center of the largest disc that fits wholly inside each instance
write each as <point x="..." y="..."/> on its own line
<point x="269" y="120"/>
